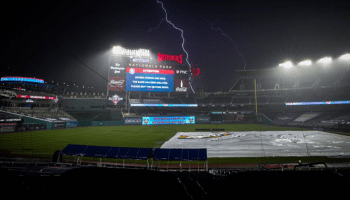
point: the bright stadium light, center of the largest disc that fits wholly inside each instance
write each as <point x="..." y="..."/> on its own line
<point x="345" y="57"/>
<point x="325" y="60"/>
<point x="287" y="64"/>
<point x="305" y="63"/>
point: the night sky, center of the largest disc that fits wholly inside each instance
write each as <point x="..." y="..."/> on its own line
<point x="49" y="40"/>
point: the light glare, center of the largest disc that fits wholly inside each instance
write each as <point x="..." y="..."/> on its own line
<point x="325" y="60"/>
<point x="120" y="51"/>
<point x="345" y="57"/>
<point x="305" y="63"/>
<point x="287" y="64"/>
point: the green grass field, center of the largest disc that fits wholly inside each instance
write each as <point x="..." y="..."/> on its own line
<point x="46" y="142"/>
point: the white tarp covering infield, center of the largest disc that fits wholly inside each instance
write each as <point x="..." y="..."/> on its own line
<point x="264" y="144"/>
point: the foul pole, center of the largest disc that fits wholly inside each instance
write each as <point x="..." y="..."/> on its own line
<point x="256" y="101"/>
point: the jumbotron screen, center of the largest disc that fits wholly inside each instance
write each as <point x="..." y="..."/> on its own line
<point x="144" y="74"/>
<point x="149" y="80"/>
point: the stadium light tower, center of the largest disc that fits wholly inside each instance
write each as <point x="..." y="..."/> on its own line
<point x="287" y="64"/>
<point x="345" y="57"/>
<point x="325" y="60"/>
<point x="305" y="63"/>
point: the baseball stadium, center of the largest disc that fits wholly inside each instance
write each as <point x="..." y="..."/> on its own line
<point x="150" y="125"/>
<point x="278" y="119"/>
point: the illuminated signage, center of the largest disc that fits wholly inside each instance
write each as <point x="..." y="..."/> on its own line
<point x="316" y="103"/>
<point x="181" y="85"/>
<point x="185" y="72"/>
<point x="154" y="66"/>
<point x="149" y="80"/>
<point x="8" y="124"/>
<point x="168" y="120"/>
<point x="141" y="60"/>
<point x="163" y="57"/>
<point x="35" y="97"/>
<point x="120" y="51"/>
<point x="162" y="105"/>
<point x="118" y="70"/>
<point x="22" y="79"/>
<point x="115" y="99"/>
<point x="116" y="83"/>
<point x="10" y="120"/>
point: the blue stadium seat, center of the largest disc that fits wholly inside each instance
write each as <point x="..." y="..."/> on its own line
<point x="175" y="154"/>
<point x="161" y="154"/>
<point x="74" y="150"/>
<point x="180" y="154"/>
<point x="144" y="153"/>
<point x="91" y="151"/>
<point x="113" y="152"/>
<point x="132" y="153"/>
<point x="102" y="152"/>
<point x="123" y="151"/>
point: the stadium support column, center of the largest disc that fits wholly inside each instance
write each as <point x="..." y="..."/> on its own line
<point x="126" y="100"/>
<point x="256" y="101"/>
<point x="109" y="65"/>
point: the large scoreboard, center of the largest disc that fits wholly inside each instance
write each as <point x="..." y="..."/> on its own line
<point x="136" y="71"/>
<point x="149" y="80"/>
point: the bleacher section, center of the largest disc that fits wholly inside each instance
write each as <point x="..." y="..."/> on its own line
<point x="91" y="115"/>
<point x="241" y="100"/>
<point x="222" y="100"/>
<point x="172" y="101"/>
<point x="206" y="100"/>
<point x="149" y="112"/>
<point x="43" y="113"/>
<point x="303" y="118"/>
<point x="173" y="113"/>
<point x="78" y="104"/>
<point x="4" y="115"/>
<point x="152" y="101"/>
<point x="135" y="101"/>
<point x="7" y="93"/>
<point x="338" y="120"/>
<point x="284" y="118"/>
<point x="274" y="100"/>
<point x="189" y="100"/>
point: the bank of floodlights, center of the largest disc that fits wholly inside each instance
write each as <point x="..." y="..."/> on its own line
<point x="325" y="60"/>
<point x="305" y="63"/>
<point x="345" y="57"/>
<point x="287" y="64"/>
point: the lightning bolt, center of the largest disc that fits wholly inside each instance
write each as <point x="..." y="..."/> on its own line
<point x="224" y="34"/>
<point x="149" y="30"/>
<point x="183" y="39"/>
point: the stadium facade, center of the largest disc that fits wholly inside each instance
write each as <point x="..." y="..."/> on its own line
<point x="156" y="86"/>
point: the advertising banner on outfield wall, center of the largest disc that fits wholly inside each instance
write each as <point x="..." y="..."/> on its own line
<point x="6" y="129"/>
<point x="167" y="120"/>
<point x="71" y="124"/>
<point x="133" y="120"/>
<point x="59" y="124"/>
<point x="216" y="122"/>
<point x="202" y="120"/>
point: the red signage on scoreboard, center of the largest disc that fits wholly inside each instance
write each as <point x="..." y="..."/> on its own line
<point x="162" y="57"/>
<point x="116" y="83"/>
<point x="35" y="97"/>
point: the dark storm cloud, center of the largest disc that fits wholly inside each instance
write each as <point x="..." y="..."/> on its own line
<point x="49" y="41"/>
